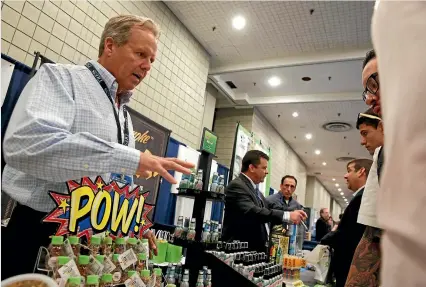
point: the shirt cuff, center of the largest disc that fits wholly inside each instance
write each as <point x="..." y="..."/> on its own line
<point x="286" y="216"/>
<point x="125" y="160"/>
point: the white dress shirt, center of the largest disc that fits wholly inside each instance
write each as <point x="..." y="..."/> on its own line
<point x="399" y="37"/>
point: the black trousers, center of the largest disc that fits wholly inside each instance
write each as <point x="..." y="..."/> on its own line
<point x="21" y="240"/>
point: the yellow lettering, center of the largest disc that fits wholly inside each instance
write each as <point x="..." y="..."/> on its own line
<point x="76" y="211"/>
<point x="142" y="138"/>
<point x="97" y="202"/>
<point x="122" y="217"/>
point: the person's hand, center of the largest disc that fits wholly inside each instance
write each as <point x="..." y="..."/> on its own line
<point x="161" y="165"/>
<point x="334" y="228"/>
<point x="151" y="241"/>
<point x="297" y="216"/>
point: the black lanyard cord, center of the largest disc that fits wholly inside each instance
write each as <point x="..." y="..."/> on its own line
<point x="101" y="82"/>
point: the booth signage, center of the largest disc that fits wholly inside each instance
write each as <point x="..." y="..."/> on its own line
<point x="209" y="142"/>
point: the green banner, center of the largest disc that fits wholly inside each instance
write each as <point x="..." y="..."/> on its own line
<point x="209" y="141"/>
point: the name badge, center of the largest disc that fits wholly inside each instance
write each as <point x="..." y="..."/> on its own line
<point x="121" y="178"/>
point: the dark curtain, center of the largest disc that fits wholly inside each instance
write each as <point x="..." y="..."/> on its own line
<point x="166" y="201"/>
<point x="217" y="207"/>
<point x="20" y="77"/>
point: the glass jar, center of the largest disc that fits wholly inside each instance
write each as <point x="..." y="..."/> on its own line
<point x="131" y="244"/>
<point x="56" y="246"/>
<point x="146" y="276"/>
<point x="75" y="244"/>
<point x="157" y="273"/>
<point x="130" y="273"/>
<point x="83" y="264"/>
<point x="107" y="246"/>
<point x="119" y="246"/>
<point x="106" y="280"/>
<point x="62" y="260"/>
<point x="92" y="281"/>
<point x="95" y="245"/>
<point x="73" y="282"/>
<point x="141" y="265"/>
<point x="117" y="273"/>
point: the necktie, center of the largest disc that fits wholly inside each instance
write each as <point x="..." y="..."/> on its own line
<point x="259" y="196"/>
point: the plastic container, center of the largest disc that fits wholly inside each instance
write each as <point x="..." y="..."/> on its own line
<point x="73" y="282"/>
<point x="119" y="246"/>
<point x="95" y="245"/>
<point x="56" y="246"/>
<point x="83" y="263"/>
<point x="92" y="281"/>
<point x="146" y="276"/>
<point x="75" y="244"/>
<point x="107" y="246"/>
<point x="106" y="280"/>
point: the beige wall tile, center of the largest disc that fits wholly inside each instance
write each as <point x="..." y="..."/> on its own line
<point x="26" y="26"/>
<point x="5" y="47"/>
<point x="7" y="32"/>
<point x="59" y="31"/>
<point x="55" y="44"/>
<point x="21" y="40"/>
<point x="36" y="47"/>
<point x="30" y="11"/>
<point x="63" y="17"/>
<point x="46" y="22"/>
<point x="16" y="53"/>
<point x="16" y="5"/>
<point x="9" y="15"/>
<point x="50" y="9"/>
<point x="41" y="35"/>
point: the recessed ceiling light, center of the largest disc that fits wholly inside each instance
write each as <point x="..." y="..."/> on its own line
<point x="295" y="114"/>
<point x="346" y="200"/>
<point x="334" y="179"/>
<point x="337" y="185"/>
<point x="274" y="81"/>
<point x="339" y="189"/>
<point x="306" y="79"/>
<point x="239" y="22"/>
<point x="341" y="193"/>
<point x="317" y="151"/>
<point x="308" y="136"/>
<point x="324" y="163"/>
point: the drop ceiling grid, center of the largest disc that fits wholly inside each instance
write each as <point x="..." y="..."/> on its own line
<point x="275" y="29"/>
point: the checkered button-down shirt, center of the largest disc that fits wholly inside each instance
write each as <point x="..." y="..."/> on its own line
<point x="63" y="128"/>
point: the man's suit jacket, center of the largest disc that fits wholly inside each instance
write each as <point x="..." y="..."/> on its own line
<point x="246" y="214"/>
<point x="345" y="239"/>
<point x="321" y="229"/>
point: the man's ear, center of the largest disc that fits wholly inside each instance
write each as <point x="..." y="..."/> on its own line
<point x="108" y="46"/>
<point x="362" y="171"/>
<point x="380" y="126"/>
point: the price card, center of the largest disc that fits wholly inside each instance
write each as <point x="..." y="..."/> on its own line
<point x="95" y="267"/>
<point x="69" y="270"/>
<point x="108" y="266"/>
<point x="127" y="259"/>
<point x="134" y="281"/>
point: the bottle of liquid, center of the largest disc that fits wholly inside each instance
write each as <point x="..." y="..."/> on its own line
<point x="184" y="182"/>
<point x="192" y="180"/>
<point x="206" y="236"/>
<point x="178" y="273"/>
<point x="220" y="186"/>
<point x="213" y="185"/>
<point x="179" y="227"/>
<point x="199" y="180"/>
<point x="214" y="235"/>
<point x="191" y="232"/>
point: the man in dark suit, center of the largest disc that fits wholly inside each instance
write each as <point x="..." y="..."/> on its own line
<point x="247" y="215"/>
<point x="322" y="227"/>
<point x="346" y="237"/>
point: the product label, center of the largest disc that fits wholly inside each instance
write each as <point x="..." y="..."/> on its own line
<point x="95" y="267"/>
<point x="127" y="259"/>
<point x="69" y="270"/>
<point x="108" y="266"/>
<point x="134" y="281"/>
<point x="68" y="249"/>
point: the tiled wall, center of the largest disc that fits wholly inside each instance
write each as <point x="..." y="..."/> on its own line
<point x="225" y="126"/>
<point x="316" y="195"/>
<point x="69" y="32"/>
<point x="284" y="159"/>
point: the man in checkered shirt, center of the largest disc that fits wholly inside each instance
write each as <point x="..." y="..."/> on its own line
<point x="71" y="122"/>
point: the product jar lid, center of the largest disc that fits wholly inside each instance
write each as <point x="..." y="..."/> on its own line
<point x="157" y="271"/>
<point x="132" y="241"/>
<point x="142" y="256"/>
<point x="100" y="258"/>
<point x="83" y="259"/>
<point x="57" y="240"/>
<point x="73" y="240"/>
<point x="92" y="279"/>
<point x="95" y="240"/>
<point x="74" y="280"/>
<point x="144" y="240"/>
<point x="145" y="273"/>
<point x="62" y="260"/>
<point x="119" y="240"/>
<point x="115" y="257"/>
<point x="131" y="273"/>
<point x="107" y="278"/>
<point x="107" y="240"/>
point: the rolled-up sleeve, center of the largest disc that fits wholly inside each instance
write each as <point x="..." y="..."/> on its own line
<point x="38" y="140"/>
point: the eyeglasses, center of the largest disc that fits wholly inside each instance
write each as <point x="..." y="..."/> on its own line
<point x="372" y="86"/>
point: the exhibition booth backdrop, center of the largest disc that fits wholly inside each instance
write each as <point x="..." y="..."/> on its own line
<point x="149" y="137"/>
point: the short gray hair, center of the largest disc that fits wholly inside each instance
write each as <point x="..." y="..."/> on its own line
<point x="118" y="28"/>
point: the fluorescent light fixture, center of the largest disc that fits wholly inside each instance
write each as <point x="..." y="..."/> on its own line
<point x="324" y="163"/>
<point x="341" y="193"/>
<point x="274" y="81"/>
<point x="308" y="136"/>
<point x="317" y="151"/>
<point x="239" y="22"/>
<point x="339" y="189"/>
<point x="337" y="185"/>
<point x="334" y="179"/>
<point x="295" y="114"/>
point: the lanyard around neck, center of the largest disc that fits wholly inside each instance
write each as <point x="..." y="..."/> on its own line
<point x="101" y="82"/>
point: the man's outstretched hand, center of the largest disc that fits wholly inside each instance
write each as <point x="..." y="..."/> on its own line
<point x="161" y="165"/>
<point x="297" y="216"/>
<point x="152" y="241"/>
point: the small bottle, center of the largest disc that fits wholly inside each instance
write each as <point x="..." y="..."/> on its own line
<point x="185" y="279"/>
<point x="184" y="182"/>
<point x="117" y="273"/>
<point x="214" y="182"/>
<point x="107" y="246"/>
<point x="83" y="264"/>
<point x="132" y="243"/>
<point x="157" y="273"/>
<point x="200" y="282"/>
<point x="95" y="245"/>
<point x="145" y="244"/>
<point x="92" y="281"/>
<point x="146" y="276"/>
<point x="141" y="265"/>
<point x="119" y="246"/>
<point x="206" y="236"/>
<point x="75" y="244"/>
<point x="73" y="282"/>
<point x="191" y="233"/>
<point x="185" y="228"/>
<point x="62" y="260"/>
<point x="192" y="180"/>
<point x="179" y="227"/>
<point x="106" y="280"/>
<point x="55" y="248"/>
<point x="199" y="180"/>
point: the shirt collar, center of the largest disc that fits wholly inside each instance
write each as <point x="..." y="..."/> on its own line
<point x="252" y="183"/>
<point x="111" y="83"/>
<point x="356" y="192"/>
